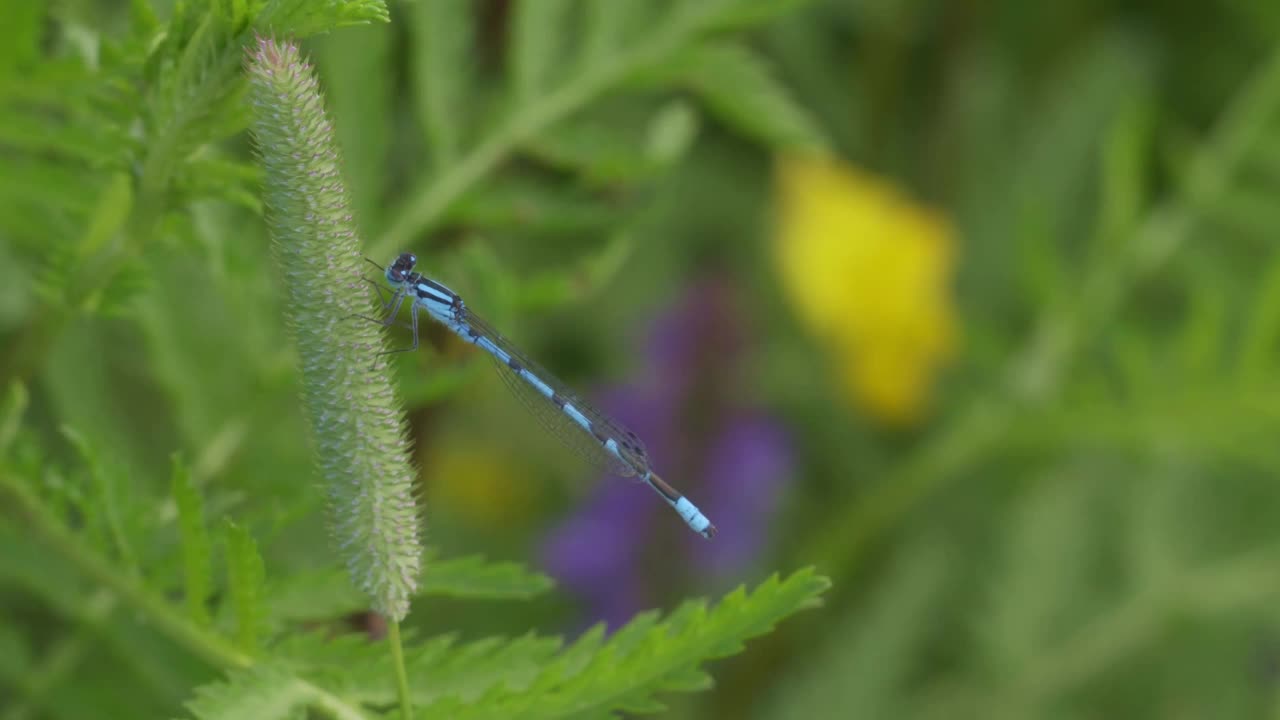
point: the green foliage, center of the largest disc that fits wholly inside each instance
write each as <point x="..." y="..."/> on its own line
<point x="328" y="593"/>
<point x="104" y="505"/>
<point x="533" y="677"/>
<point x="107" y="137"/>
<point x="245" y="576"/>
<point x="554" y="81"/>
<point x="602" y="678"/>
<point x="197" y="552"/>
<point x="264" y="691"/>
<point x="300" y="18"/>
<point x="739" y="88"/>
<point x="289" y="670"/>
<point x="1084" y="528"/>
<point x="474" y="578"/>
<point x="137" y="307"/>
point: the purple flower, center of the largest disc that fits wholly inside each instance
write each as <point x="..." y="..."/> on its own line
<point x="744" y="471"/>
<point x="622" y="551"/>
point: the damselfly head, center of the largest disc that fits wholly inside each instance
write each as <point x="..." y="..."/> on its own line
<point x="399" y="270"/>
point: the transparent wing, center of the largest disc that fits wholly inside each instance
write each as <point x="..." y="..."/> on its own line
<point x="587" y="444"/>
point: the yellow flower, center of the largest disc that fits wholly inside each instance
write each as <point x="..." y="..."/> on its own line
<point x="868" y="271"/>
<point x="477" y="485"/>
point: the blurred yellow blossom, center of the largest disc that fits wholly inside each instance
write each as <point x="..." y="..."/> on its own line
<point x="868" y="270"/>
<point x="477" y="485"/>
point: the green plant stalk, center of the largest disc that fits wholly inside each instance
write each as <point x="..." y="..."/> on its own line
<point x="402" y="679"/>
<point x="357" y="424"/>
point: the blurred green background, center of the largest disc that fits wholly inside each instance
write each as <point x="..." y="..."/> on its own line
<point x="973" y="305"/>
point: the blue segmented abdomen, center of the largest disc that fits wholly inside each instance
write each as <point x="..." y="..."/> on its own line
<point x="543" y="389"/>
<point x="583" y="428"/>
<point x="693" y="517"/>
<point x="583" y="422"/>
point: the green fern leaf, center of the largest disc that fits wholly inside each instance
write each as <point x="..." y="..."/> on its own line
<point x="315" y="654"/>
<point x="626" y="141"/>
<point x="108" y="216"/>
<point x="313" y="596"/>
<point x="577" y="656"/>
<point x="358" y="669"/>
<point x="472" y="669"/>
<point x="196" y="84"/>
<point x="196" y="551"/>
<point x="207" y="176"/>
<point x="304" y="18"/>
<point x="443" y="33"/>
<point x="474" y="577"/>
<point x="83" y="137"/>
<point x="740" y="89"/>
<point x="198" y="91"/>
<point x="117" y="297"/>
<point x="328" y="594"/>
<point x="263" y="692"/>
<point x="244" y="582"/>
<point x="106" y="492"/>
<point x="64" y="193"/>
<point x="596" y="678"/>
